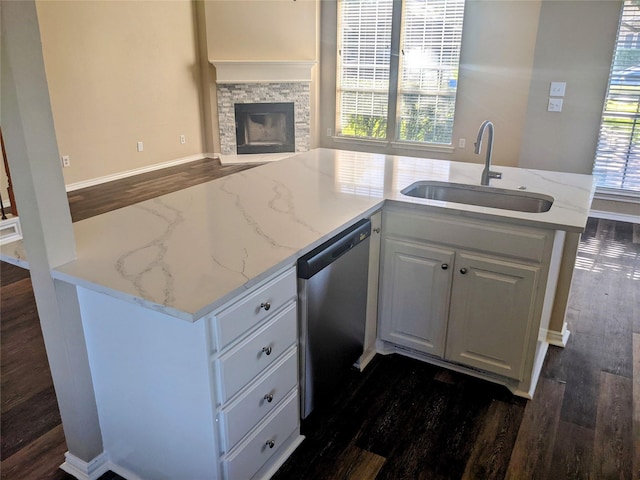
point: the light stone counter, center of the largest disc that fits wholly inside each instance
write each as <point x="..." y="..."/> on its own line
<point x="188" y="252"/>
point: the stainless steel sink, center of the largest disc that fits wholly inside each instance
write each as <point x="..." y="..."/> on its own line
<point x="481" y="196"/>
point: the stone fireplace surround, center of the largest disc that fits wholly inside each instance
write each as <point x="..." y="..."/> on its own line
<point x="263" y="82"/>
<point x="230" y="94"/>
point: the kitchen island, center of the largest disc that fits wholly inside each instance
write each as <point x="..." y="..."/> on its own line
<point x="166" y="290"/>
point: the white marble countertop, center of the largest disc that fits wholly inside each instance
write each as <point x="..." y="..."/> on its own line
<point x="188" y="252"/>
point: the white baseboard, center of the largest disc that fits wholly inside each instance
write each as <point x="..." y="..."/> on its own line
<point x="123" y="472"/>
<point x="253" y="158"/>
<point x="95" y="468"/>
<point x="365" y="359"/>
<point x="86" y="470"/>
<point x="10" y="230"/>
<point x="621" y="217"/>
<point x="136" y="171"/>
<point x="559" y="339"/>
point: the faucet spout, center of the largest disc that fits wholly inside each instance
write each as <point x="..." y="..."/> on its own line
<point x="487" y="173"/>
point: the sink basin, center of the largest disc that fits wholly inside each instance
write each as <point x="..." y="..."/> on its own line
<point x="481" y="196"/>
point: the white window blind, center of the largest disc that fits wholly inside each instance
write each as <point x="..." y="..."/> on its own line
<point x="364" y="48"/>
<point x="415" y="97"/>
<point x="430" y="54"/>
<point x="617" y="163"/>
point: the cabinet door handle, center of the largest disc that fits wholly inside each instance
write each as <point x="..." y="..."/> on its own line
<point x="266" y="350"/>
<point x="270" y="443"/>
<point x="377" y="229"/>
<point x="268" y="397"/>
<point x="463" y="270"/>
<point x="445" y="266"/>
<point x="266" y="306"/>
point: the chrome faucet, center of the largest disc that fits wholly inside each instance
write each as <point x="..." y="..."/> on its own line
<point x="487" y="174"/>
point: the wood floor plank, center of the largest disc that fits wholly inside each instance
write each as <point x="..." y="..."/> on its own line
<point x="28" y="420"/>
<point x="23" y="359"/>
<point x="572" y="453"/>
<point x="10" y="274"/>
<point x="533" y="450"/>
<point x="356" y="464"/>
<point x="35" y="460"/>
<point x="94" y="200"/>
<point x="613" y="442"/>
<point x="491" y="452"/>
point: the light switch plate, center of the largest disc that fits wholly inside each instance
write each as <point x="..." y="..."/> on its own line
<point x="557" y="89"/>
<point x="555" y="105"/>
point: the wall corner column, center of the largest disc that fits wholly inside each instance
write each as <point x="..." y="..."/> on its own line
<point x="49" y="241"/>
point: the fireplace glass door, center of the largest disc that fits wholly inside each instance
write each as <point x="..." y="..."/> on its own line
<point x="264" y="127"/>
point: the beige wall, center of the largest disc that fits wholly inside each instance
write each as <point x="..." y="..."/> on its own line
<point x="575" y="45"/>
<point x="511" y="50"/>
<point x="276" y="30"/>
<point x="496" y="64"/>
<point x="118" y="73"/>
<point x="262" y="30"/>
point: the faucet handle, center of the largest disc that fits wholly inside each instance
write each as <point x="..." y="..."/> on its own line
<point x="495" y="174"/>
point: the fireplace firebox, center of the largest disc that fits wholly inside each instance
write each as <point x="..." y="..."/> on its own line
<point x="265" y="127"/>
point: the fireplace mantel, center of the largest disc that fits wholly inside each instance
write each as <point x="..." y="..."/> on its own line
<point x="263" y="71"/>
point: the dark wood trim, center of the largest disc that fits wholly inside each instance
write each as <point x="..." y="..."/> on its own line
<point x="12" y="198"/>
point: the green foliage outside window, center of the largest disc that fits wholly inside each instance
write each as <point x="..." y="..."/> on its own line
<point x="418" y="127"/>
<point x="368" y="126"/>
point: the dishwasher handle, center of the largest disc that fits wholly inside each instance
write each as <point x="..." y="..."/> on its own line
<point x="330" y="251"/>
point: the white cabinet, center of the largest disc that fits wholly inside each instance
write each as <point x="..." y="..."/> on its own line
<point x="214" y="399"/>
<point x="415" y="295"/>
<point x="255" y="357"/>
<point x="491" y="313"/>
<point x="467" y="294"/>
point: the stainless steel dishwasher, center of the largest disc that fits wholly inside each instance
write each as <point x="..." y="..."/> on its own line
<point x="332" y="294"/>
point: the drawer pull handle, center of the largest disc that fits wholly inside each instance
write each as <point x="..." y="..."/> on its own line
<point x="463" y="270"/>
<point x="268" y="397"/>
<point x="266" y="306"/>
<point x="444" y="266"/>
<point x="270" y="443"/>
<point x="266" y="350"/>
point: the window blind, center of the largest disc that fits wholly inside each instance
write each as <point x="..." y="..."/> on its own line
<point x="617" y="162"/>
<point x="430" y="54"/>
<point x="364" y="49"/>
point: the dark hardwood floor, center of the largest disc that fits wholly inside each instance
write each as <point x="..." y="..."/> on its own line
<point x="91" y="201"/>
<point x="402" y="419"/>
<point x="408" y="420"/>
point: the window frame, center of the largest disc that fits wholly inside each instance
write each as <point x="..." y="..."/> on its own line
<point x="617" y="94"/>
<point x="394" y="92"/>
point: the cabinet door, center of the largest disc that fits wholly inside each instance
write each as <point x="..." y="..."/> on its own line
<point x="415" y="295"/>
<point x="491" y="313"/>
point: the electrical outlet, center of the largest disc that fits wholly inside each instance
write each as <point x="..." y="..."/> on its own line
<point x="462" y="143"/>
<point x="555" y="105"/>
<point x="183" y="139"/>
<point x="328" y="132"/>
<point x="66" y="161"/>
<point x="140" y="146"/>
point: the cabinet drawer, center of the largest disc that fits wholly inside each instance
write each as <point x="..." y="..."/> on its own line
<point x="500" y="238"/>
<point x="243" y="414"/>
<point x="241" y="316"/>
<point x="255" y="451"/>
<point x="244" y="361"/>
